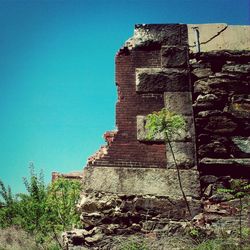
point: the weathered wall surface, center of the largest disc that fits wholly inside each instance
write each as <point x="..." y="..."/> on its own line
<point x="218" y="37"/>
<point x="221" y="95"/>
<point x="131" y="185"/>
<point x="151" y="73"/>
<point x="221" y="81"/>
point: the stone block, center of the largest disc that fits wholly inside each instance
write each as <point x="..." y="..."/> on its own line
<point x="155" y="80"/>
<point x="243" y="162"/>
<point x="202" y="72"/>
<point x="174" y="56"/>
<point x="179" y="102"/>
<point x="237" y="68"/>
<point x="240" y="106"/>
<point x="185" y="134"/>
<point x="141" y="181"/>
<point x="184" y="153"/>
<point x="242" y="143"/>
<point x="142" y="132"/>
<point x="220" y="124"/>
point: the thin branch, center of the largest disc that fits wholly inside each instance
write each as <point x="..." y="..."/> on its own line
<point x="178" y="174"/>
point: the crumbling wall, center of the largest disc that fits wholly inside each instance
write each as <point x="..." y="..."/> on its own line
<point x="131" y="185"/>
<point x="221" y="81"/>
<point x="221" y="91"/>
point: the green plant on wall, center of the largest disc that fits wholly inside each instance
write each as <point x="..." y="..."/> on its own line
<point x="169" y="124"/>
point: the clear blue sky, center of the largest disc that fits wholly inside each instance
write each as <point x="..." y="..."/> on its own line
<point x="57" y="90"/>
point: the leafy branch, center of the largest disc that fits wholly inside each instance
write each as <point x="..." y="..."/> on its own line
<point x="169" y="124"/>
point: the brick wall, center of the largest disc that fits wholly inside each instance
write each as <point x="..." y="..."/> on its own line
<point x="126" y="149"/>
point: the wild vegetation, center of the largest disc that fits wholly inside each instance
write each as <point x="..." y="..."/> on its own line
<point x="170" y="124"/>
<point x="40" y="215"/>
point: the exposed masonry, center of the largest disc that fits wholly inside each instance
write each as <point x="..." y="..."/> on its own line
<point x="221" y="82"/>
<point x="131" y="184"/>
<point x="150" y="71"/>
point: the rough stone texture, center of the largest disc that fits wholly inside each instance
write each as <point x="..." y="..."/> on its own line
<point x="141" y="181"/>
<point x="202" y="72"/>
<point x="222" y="111"/>
<point x="173" y="56"/>
<point x="184" y="154"/>
<point x="179" y="102"/>
<point x="242" y="144"/>
<point x="239" y="106"/>
<point x="107" y="214"/>
<point x="158" y="80"/>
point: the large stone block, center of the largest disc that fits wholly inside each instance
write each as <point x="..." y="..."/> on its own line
<point x="174" y="56"/>
<point x="185" y="134"/>
<point x="179" y="102"/>
<point x="184" y="153"/>
<point x="141" y="181"/>
<point x="157" y="80"/>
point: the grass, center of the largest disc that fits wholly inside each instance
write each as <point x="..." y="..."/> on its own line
<point x="152" y="242"/>
<point x="13" y="238"/>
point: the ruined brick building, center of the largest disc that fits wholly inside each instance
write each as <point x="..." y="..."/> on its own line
<point x="199" y="71"/>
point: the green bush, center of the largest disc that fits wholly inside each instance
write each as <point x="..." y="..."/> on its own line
<point x="44" y="211"/>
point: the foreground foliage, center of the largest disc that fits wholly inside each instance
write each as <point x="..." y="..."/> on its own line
<point x="44" y="211"/>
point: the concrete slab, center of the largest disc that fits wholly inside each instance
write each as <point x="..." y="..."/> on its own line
<point x="141" y="181"/>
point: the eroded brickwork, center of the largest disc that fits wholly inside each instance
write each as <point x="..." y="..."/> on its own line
<point x="134" y="100"/>
<point x="131" y="186"/>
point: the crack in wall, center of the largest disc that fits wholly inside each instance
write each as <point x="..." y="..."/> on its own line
<point x="212" y="38"/>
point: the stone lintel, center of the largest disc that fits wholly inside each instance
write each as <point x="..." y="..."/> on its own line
<point x="156" y="80"/>
<point x="141" y="181"/>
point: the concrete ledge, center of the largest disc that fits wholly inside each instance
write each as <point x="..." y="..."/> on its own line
<point x="219" y="37"/>
<point x="141" y="181"/>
